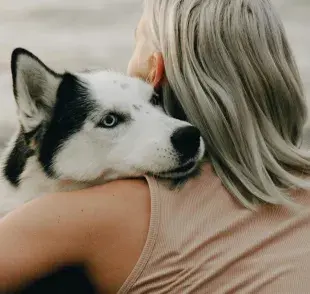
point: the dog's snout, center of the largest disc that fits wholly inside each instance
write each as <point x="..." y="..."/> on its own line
<point x="186" y="141"/>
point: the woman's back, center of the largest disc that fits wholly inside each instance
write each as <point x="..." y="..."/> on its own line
<point x="203" y="241"/>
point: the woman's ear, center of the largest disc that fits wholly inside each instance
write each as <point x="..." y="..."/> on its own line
<point x="157" y="70"/>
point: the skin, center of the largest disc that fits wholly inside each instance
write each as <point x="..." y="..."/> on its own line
<point x="103" y="227"/>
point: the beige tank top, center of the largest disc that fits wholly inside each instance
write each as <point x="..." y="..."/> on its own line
<point x="201" y="240"/>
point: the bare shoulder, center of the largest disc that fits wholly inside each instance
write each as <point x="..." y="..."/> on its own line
<point x="112" y="203"/>
<point x="105" y="227"/>
<point x="115" y="205"/>
<point x="98" y="211"/>
<point x="113" y="199"/>
<point x="118" y="237"/>
<point x="117" y="248"/>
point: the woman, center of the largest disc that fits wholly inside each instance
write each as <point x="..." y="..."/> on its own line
<point x="243" y="225"/>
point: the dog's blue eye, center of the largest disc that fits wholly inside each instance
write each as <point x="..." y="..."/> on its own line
<point x="109" y="121"/>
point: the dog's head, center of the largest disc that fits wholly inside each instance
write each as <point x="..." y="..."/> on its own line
<point x="85" y="126"/>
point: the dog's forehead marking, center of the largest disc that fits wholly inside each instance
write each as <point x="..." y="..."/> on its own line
<point x="108" y="87"/>
<point x="125" y="86"/>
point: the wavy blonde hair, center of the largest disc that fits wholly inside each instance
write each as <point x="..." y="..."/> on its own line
<point x="230" y="68"/>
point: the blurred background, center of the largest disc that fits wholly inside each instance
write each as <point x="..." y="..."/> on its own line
<point x="79" y="34"/>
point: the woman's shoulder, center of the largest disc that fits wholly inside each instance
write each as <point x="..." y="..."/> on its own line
<point x="117" y="250"/>
<point x="105" y="226"/>
<point x="99" y="203"/>
<point x="112" y="209"/>
<point x="120" y="194"/>
<point x="115" y="190"/>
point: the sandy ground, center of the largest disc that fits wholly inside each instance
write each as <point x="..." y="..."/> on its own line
<point x="77" y="34"/>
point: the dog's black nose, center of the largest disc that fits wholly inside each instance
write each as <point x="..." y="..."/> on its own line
<point x="186" y="141"/>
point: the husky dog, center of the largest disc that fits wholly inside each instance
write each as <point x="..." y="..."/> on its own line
<point x="82" y="129"/>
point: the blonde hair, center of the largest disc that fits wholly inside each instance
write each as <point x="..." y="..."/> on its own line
<point x="231" y="73"/>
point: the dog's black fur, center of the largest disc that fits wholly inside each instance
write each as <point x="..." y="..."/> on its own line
<point x="69" y="115"/>
<point x="16" y="162"/>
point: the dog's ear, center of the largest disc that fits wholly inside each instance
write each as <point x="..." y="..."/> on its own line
<point x="35" y="88"/>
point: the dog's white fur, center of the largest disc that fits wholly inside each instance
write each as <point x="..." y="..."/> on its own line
<point x="92" y="155"/>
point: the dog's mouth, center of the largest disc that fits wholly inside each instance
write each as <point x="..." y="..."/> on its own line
<point x="181" y="171"/>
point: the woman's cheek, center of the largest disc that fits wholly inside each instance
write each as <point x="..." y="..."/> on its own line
<point x="133" y="63"/>
<point x="138" y="64"/>
<point x="130" y="68"/>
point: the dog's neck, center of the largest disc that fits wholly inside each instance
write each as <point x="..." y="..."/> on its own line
<point x="33" y="179"/>
<point x="25" y="179"/>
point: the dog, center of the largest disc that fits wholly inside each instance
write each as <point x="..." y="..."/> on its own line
<point x="83" y="129"/>
<point x="78" y="130"/>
